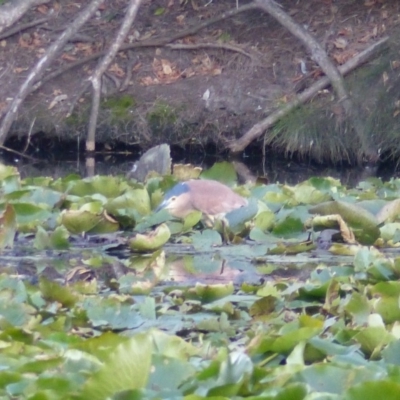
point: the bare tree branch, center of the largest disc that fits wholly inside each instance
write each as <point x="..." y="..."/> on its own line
<point x="130" y="15"/>
<point x="41" y="66"/>
<point x="20" y="28"/>
<point x="14" y="10"/>
<point x="156" y="42"/>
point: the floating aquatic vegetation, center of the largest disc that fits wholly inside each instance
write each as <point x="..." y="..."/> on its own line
<point x="295" y="296"/>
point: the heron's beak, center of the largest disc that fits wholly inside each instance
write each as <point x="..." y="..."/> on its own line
<point x="162" y="205"/>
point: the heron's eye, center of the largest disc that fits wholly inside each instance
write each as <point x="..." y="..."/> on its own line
<point x="173" y="198"/>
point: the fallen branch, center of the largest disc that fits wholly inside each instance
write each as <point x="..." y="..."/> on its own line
<point x="258" y="129"/>
<point x="24" y="27"/>
<point x="219" y="46"/>
<point x="130" y="15"/>
<point x="39" y="69"/>
<point x="320" y="56"/>
<point x="23" y="155"/>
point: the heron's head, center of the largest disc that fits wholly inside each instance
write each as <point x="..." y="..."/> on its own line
<point x="178" y="201"/>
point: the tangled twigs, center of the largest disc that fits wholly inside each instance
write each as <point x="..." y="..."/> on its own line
<point x="41" y="66"/>
<point x="157" y="42"/>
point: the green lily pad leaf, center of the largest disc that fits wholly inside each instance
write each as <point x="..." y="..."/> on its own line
<point x="363" y="223"/>
<point x="168" y="375"/>
<point x="324" y="184"/>
<point x="304" y="193"/>
<point x="55" y="240"/>
<point x="133" y="199"/>
<point x="206" y="239"/>
<point x="341" y="249"/>
<point x="151" y="241"/>
<point x="288" y="227"/>
<point x="332" y="379"/>
<point x="55" y="292"/>
<point x="389" y="212"/>
<point x="16" y="314"/>
<point x="27" y="213"/>
<point x="184" y="172"/>
<point x="8" y="227"/>
<point x="156" y="197"/>
<point x="42" y="239"/>
<point x="292" y="248"/>
<point x="374" y="262"/>
<point x="9" y="179"/>
<point x="175" y="227"/>
<point x="107" y="186"/>
<point x="94" y="207"/>
<point x="374" y="206"/>
<point x="238" y="217"/>
<point x="154" y="219"/>
<point x="258" y="235"/>
<point x="264" y="220"/>
<point x="7" y="171"/>
<point x="391" y="354"/>
<point x="59" y="238"/>
<point x="132" y="360"/>
<point x="105" y="225"/>
<point x="287" y="342"/>
<point x="372" y="338"/>
<point x="390" y="231"/>
<point x="209" y="293"/>
<point x="77" y="221"/>
<point x="222" y="172"/>
<point x="359" y="308"/>
<point x="388" y="304"/>
<point x="373" y="390"/>
<point x="191" y="220"/>
<point x="45" y="196"/>
<point x="111" y="313"/>
<point x="263" y="306"/>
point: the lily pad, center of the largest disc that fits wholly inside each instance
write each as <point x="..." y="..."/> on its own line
<point x="151" y="241"/>
<point x="184" y="172"/>
<point x="363" y="223"/>
<point x="222" y="172"/>
<point x="77" y="221"/>
<point x="8" y="225"/>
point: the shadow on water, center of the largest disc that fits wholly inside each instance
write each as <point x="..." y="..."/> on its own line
<point x="96" y="259"/>
<point x="273" y="168"/>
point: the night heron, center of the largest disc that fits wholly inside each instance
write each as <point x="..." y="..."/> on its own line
<point x="212" y="198"/>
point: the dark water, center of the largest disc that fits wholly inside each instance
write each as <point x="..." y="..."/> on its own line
<point x="273" y="168"/>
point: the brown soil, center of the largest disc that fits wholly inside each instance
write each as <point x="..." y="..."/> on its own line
<point x="182" y="96"/>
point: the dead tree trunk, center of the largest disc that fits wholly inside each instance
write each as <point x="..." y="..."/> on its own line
<point x="102" y="67"/>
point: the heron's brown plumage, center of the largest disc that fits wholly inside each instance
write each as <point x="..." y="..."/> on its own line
<point x="212" y="198"/>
